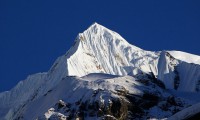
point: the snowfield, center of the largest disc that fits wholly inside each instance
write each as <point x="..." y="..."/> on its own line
<point x="187" y="57"/>
<point x="102" y="76"/>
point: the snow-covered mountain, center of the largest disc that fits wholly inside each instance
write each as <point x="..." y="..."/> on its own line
<point x="103" y="75"/>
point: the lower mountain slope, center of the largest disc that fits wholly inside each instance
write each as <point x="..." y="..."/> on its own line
<point x="104" y="96"/>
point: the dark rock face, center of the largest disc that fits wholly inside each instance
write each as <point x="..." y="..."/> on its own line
<point x="176" y="79"/>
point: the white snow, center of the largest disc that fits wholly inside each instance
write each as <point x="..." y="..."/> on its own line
<point x="187" y="57"/>
<point x="20" y="94"/>
<point x="51" y="114"/>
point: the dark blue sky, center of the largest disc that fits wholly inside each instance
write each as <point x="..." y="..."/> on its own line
<point x="33" y="33"/>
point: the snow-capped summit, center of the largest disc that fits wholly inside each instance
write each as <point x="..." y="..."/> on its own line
<point x="101" y="50"/>
<point x="101" y="59"/>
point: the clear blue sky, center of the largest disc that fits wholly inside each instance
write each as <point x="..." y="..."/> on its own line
<point x="33" y="33"/>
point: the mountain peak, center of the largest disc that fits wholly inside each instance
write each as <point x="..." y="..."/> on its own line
<point x="95" y="27"/>
<point x="97" y="32"/>
<point x="101" y="50"/>
<point x="95" y="24"/>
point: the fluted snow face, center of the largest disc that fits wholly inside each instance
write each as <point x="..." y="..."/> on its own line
<point x="100" y="50"/>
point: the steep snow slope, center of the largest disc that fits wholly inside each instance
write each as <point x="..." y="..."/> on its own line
<point x="166" y="69"/>
<point x="100" y="50"/>
<point x="21" y="93"/>
<point x="104" y="51"/>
